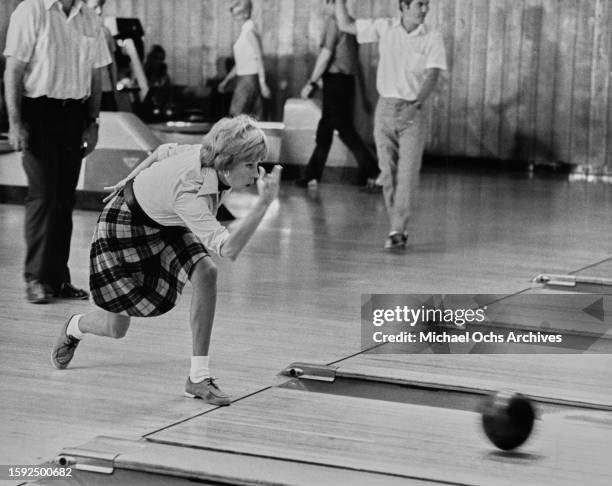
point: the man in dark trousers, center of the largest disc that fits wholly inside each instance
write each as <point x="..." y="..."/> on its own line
<point x="55" y="50"/>
<point x="338" y="65"/>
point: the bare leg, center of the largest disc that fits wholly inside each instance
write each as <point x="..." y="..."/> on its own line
<point x="203" y="303"/>
<point x="104" y="323"/>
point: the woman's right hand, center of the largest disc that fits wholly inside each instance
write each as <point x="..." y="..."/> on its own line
<point x="268" y="185"/>
<point x="221" y="86"/>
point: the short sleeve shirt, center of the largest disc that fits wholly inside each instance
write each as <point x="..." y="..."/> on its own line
<point x="177" y="191"/>
<point x="60" y="51"/>
<point x="343" y="47"/>
<point x="404" y="57"/>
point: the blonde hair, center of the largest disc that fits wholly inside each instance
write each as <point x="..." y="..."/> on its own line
<point x="232" y="141"/>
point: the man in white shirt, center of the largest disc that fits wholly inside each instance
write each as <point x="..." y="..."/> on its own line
<point x="412" y="55"/>
<point x="54" y="52"/>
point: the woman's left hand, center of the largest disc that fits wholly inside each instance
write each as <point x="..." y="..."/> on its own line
<point x="265" y="91"/>
<point x="268" y="185"/>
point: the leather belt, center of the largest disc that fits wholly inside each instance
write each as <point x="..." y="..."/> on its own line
<point x="138" y="215"/>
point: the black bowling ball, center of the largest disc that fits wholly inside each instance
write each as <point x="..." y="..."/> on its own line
<point x="507" y="419"/>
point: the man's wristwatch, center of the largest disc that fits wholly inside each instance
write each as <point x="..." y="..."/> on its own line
<point x="93" y="120"/>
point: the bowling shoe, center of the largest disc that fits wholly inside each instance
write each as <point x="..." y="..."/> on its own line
<point x="64" y="348"/>
<point x="207" y="390"/>
<point x="396" y="241"/>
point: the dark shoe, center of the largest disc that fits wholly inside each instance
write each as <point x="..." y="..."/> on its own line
<point x="207" y="390"/>
<point x="64" y="348"/>
<point x="68" y="291"/>
<point x="396" y="242"/>
<point x="36" y="293"/>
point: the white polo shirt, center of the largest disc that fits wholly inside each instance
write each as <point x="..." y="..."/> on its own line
<point x="177" y="191"/>
<point x="60" y="50"/>
<point x="245" y="55"/>
<point x="404" y="57"/>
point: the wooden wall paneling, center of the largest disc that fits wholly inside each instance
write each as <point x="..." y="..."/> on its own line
<point x="460" y="81"/>
<point x="316" y="21"/>
<point x="270" y="40"/>
<point x="511" y="88"/>
<point x="364" y="121"/>
<point x="476" y="80"/>
<point x="531" y="24"/>
<point x="166" y="36"/>
<point x="194" y="46"/>
<point x="493" y="97"/>
<point x="609" y="132"/>
<point x="286" y="16"/>
<point x="564" y="86"/>
<point x="300" y="50"/>
<point x="180" y="40"/>
<point x="582" y="83"/>
<point x="600" y="84"/>
<point x="154" y="30"/>
<point x="433" y="19"/>
<point x="546" y="80"/>
<point x="443" y="105"/>
<point x="208" y="34"/>
<point x="227" y="31"/>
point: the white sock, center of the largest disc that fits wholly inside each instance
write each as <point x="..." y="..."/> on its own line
<point x="73" y="327"/>
<point x="199" y="369"/>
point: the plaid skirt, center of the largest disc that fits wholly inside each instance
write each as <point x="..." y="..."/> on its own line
<point x="136" y="269"/>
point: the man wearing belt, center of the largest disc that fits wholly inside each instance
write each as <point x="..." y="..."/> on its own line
<point x="411" y="58"/>
<point x="55" y="50"/>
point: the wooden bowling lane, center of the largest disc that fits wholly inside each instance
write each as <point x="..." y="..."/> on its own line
<point x="401" y="440"/>
<point x="146" y="463"/>
<point x="582" y="380"/>
<point x="603" y="269"/>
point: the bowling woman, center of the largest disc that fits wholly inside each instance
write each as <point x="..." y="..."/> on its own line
<point x="157" y="231"/>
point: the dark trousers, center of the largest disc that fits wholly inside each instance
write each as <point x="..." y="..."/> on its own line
<point x="338" y="100"/>
<point x="52" y="161"/>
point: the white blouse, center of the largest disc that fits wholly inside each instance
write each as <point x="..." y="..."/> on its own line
<point x="245" y="55"/>
<point x="177" y="191"/>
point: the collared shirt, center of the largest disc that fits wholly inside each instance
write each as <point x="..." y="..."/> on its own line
<point x="177" y="191"/>
<point x="404" y="57"/>
<point x="343" y="47"/>
<point x="60" y="51"/>
<point x="245" y="55"/>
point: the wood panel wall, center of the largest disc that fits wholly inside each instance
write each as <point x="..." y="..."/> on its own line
<point x="528" y="79"/>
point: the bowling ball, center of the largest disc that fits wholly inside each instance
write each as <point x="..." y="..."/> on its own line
<point x="507" y="419"/>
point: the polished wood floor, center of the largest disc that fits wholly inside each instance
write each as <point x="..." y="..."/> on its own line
<point x="293" y="295"/>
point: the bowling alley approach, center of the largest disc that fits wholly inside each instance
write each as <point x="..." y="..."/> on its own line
<point x="305" y="242"/>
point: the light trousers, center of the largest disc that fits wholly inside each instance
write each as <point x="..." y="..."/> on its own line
<point x="400" y="133"/>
